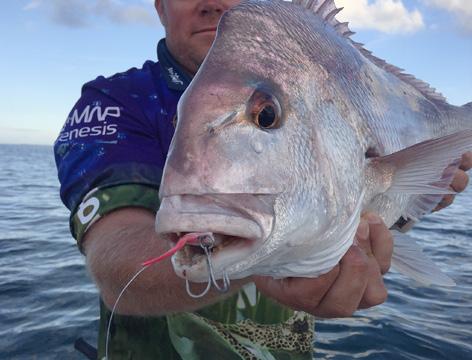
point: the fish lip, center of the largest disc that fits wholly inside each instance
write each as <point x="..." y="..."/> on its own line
<point x="245" y="215"/>
<point x="225" y="221"/>
<point x="245" y="219"/>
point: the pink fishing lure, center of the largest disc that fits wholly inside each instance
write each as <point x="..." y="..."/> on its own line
<point x="191" y="238"/>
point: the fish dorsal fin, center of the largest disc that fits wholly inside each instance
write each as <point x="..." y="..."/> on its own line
<point x="328" y="10"/>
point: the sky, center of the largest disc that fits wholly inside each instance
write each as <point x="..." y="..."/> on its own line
<point x="50" y="48"/>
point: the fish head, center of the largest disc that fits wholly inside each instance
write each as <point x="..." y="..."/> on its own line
<point x="258" y="157"/>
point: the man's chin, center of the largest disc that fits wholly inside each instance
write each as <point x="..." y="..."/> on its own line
<point x="199" y="55"/>
<point x="204" y="44"/>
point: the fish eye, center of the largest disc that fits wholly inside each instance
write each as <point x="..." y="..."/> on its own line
<point x="265" y="110"/>
<point x="266" y="118"/>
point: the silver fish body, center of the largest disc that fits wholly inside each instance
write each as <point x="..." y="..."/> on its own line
<point x="286" y="198"/>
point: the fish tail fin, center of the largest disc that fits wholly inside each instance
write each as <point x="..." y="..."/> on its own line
<point x="424" y="170"/>
<point x="408" y="258"/>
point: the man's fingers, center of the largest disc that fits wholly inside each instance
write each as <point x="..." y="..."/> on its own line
<point x="381" y="241"/>
<point x="298" y="293"/>
<point x="306" y="293"/>
<point x="344" y="296"/>
<point x="466" y="163"/>
<point x="376" y="292"/>
<point x="445" y="202"/>
<point x="362" y="235"/>
<point x="375" y="239"/>
<point x="460" y="181"/>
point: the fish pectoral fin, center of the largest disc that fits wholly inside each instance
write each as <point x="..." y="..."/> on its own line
<point x="408" y="258"/>
<point x="425" y="169"/>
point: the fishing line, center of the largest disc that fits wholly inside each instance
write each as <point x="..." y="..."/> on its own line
<point x="116" y="304"/>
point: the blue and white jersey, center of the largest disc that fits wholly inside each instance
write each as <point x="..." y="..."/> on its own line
<point x="118" y="134"/>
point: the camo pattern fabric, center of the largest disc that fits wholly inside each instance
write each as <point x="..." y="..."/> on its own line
<point x="99" y="202"/>
<point x="195" y="337"/>
<point x="257" y="328"/>
<point x="236" y="328"/>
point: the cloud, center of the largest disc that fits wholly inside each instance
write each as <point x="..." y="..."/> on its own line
<point x="125" y="14"/>
<point x="82" y="13"/>
<point x="33" y="4"/>
<point x="72" y="13"/>
<point x="389" y="16"/>
<point x="462" y="9"/>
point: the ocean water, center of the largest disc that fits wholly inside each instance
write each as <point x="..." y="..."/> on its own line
<point x="47" y="300"/>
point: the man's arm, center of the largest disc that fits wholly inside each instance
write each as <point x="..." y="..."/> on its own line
<point x="115" y="247"/>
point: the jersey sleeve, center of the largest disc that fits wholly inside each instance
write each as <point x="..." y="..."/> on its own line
<point x="108" y="156"/>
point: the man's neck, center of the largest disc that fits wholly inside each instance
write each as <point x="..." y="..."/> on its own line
<point x="176" y="75"/>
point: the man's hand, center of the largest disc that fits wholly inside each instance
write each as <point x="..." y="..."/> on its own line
<point x="355" y="283"/>
<point x="460" y="181"/>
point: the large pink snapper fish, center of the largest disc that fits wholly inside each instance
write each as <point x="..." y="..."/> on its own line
<point x="288" y="132"/>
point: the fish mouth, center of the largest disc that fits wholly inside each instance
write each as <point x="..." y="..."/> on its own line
<point x="239" y="224"/>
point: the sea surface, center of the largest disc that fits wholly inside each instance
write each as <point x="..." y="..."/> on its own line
<point x="47" y="299"/>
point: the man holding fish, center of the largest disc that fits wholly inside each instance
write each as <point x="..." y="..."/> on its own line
<point x="110" y="155"/>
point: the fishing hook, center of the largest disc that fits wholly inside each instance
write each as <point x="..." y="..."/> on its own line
<point x="211" y="272"/>
<point x="207" y="242"/>
<point x="197" y="296"/>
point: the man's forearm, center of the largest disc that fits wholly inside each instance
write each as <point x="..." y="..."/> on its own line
<point x="115" y="248"/>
